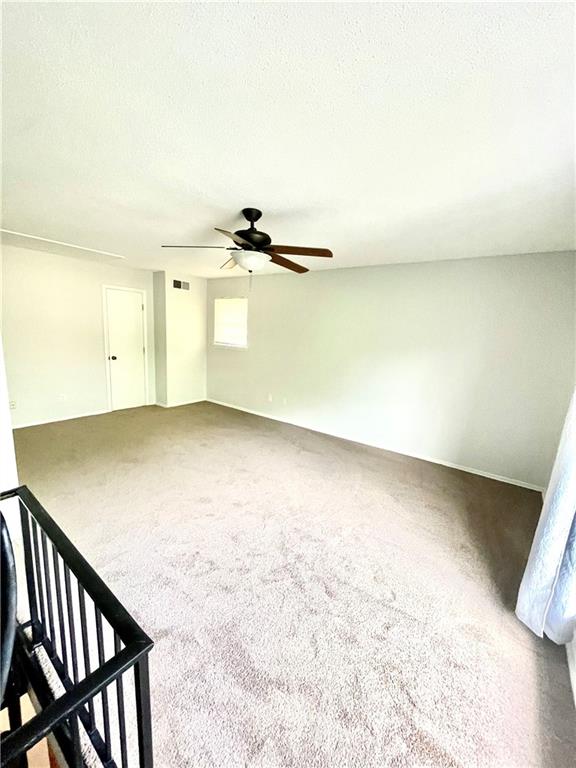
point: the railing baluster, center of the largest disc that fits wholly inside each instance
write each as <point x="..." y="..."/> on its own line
<point x="76" y="746"/>
<point x="39" y="580"/>
<point x="60" y="608"/>
<point x="120" y="696"/>
<point x="29" y="567"/>
<point x="104" y="694"/>
<point x="71" y="627"/>
<point x="48" y="591"/>
<point x="143" y="715"/>
<point x="85" y="649"/>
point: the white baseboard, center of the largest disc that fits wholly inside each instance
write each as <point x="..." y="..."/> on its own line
<point x="99" y="413"/>
<point x="177" y="405"/>
<point x="571" y="653"/>
<point x="302" y="425"/>
<point x="472" y="470"/>
<point x="62" y="418"/>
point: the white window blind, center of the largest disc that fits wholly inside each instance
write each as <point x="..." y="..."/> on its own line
<point x="231" y="322"/>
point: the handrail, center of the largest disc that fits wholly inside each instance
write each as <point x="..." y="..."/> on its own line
<point x="61" y="716"/>
<point x="43" y="723"/>
<point x="112" y="609"/>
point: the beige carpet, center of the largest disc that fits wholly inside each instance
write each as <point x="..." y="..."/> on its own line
<point x="315" y="603"/>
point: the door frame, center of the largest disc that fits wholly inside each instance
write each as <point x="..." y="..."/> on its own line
<point x="142" y="293"/>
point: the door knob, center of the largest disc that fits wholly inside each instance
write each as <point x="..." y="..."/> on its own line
<point x="112" y="358"/>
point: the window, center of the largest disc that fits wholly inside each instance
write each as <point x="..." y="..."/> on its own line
<point x="231" y="322"/>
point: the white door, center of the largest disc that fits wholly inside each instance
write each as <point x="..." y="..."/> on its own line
<point x="126" y="350"/>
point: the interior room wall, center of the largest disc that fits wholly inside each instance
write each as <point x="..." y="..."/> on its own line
<point x="8" y="480"/>
<point x="180" y="328"/>
<point x="53" y="332"/>
<point x="8" y="470"/>
<point x="159" y="282"/>
<point x="468" y="363"/>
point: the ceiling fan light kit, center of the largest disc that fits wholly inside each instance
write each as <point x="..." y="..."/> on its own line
<point x="252" y="261"/>
<point x="255" y="249"/>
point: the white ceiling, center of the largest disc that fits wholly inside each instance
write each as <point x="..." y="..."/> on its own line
<point x="386" y="132"/>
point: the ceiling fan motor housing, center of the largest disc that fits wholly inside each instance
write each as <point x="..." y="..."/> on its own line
<point x="257" y="240"/>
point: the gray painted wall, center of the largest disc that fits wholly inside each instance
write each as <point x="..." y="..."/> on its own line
<point x="466" y="362"/>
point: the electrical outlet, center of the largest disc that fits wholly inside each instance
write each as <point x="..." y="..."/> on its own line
<point x="270" y="398"/>
<point x="12" y="405"/>
<point x="285" y="401"/>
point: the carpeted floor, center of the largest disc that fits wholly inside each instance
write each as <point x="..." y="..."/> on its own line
<point x="314" y="602"/>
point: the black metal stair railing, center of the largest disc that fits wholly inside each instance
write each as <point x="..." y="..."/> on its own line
<point x="80" y="653"/>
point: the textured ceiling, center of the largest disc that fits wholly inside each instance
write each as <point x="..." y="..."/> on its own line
<point x="387" y="132"/>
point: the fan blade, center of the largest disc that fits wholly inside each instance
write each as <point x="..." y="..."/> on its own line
<point x="233" y="236"/>
<point x="296" y="250"/>
<point x="194" y="246"/>
<point x="230" y="264"/>
<point x="282" y="262"/>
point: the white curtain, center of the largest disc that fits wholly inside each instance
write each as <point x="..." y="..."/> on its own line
<point x="547" y="596"/>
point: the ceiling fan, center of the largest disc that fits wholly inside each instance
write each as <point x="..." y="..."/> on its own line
<point x="255" y="248"/>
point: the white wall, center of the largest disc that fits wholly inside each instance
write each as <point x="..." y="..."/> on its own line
<point x="464" y="362"/>
<point x="159" y="282"/>
<point x="9" y="479"/>
<point x="180" y="327"/>
<point x="54" y="333"/>
<point x="8" y="470"/>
